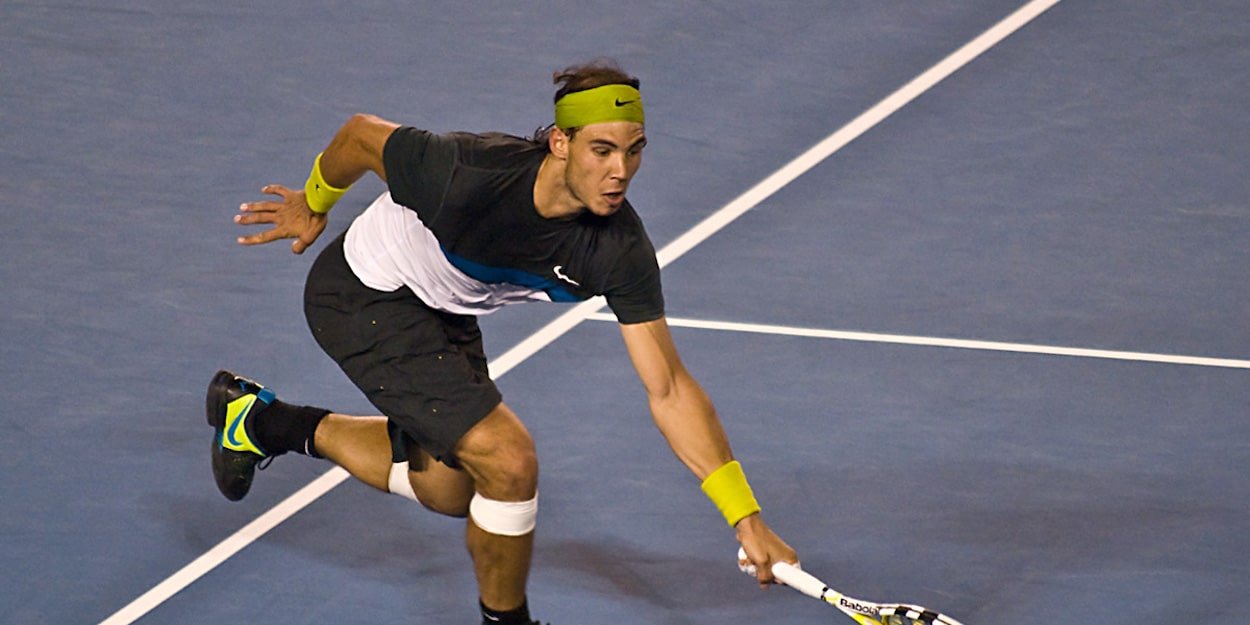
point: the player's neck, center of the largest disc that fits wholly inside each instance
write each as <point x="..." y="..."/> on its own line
<point x="552" y="197"/>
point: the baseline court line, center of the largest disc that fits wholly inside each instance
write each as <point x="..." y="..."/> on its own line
<point x="928" y="341"/>
<point x="579" y="313"/>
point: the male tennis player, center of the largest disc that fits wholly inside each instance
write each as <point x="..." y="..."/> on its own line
<point x="473" y="222"/>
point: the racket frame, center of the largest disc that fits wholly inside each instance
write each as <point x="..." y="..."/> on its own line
<point x="863" y="612"/>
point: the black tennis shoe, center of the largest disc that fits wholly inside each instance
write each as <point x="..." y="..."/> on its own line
<point x="232" y="401"/>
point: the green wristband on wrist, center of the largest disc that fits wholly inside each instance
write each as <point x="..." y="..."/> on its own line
<point x="320" y="194"/>
<point x="727" y="487"/>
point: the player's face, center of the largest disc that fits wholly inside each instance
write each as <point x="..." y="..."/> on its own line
<point x="602" y="159"/>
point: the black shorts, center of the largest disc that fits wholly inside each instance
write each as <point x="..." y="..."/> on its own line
<point x="423" y="368"/>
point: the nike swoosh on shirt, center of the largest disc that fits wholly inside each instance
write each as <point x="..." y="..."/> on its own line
<point x="560" y="275"/>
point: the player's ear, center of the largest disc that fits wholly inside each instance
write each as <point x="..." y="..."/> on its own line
<point x="558" y="143"/>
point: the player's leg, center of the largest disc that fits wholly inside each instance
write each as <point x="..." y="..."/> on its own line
<point x="359" y="445"/>
<point x="435" y="485"/>
<point x="494" y="480"/>
<point x="499" y="454"/>
<point x="426" y="371"/>
<point x="363" y="446"/>
<point x="252" y="425"/>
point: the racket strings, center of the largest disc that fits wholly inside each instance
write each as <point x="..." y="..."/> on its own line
<point x="911" y="615"/>
<point x="895" y="619"/>
<point x="903" y="620"/>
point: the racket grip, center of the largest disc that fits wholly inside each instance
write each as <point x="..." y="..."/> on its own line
<point x="789" y="574"/>
<point x="799" y="580"/>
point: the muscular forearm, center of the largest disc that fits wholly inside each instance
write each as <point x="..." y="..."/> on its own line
<point x="687" y="419"/>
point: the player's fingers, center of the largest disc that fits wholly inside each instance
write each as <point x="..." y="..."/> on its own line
<point x="255" y="218"/>
<point x="266" y="236"/>
<point x="764" y="575"/>
<point x="755" y="566"/>
<point x="259" y="207"/>
<point x="305" y="240"/>
<point x="783" y="554"/>
<point x="276" y="189"/>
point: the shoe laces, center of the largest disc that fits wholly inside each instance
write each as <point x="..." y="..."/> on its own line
<point x="264" y="464"/>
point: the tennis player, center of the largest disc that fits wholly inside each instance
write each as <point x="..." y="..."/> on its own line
<point x="470" y="223"/>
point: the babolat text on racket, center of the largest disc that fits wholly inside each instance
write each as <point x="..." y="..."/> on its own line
<point x="864" y="612"/>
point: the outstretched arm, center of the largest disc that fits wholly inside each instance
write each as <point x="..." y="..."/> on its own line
<point x="688" y="421"/>
<point x="355" y="149"/>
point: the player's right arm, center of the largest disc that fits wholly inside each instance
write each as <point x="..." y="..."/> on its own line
<point x="355" y="149"/>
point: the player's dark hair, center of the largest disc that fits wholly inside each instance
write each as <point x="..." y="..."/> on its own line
<point x="597" y="73"/>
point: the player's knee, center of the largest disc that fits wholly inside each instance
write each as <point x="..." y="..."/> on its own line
<point x="504" y="518"/>
<point x="512" y="474"/>
<point x="503" y="468"/>
<point x="505" y="472"/>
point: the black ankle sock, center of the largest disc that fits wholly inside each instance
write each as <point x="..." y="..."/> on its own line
<point x="282" y="427"/>
<point x="519" y="616"/>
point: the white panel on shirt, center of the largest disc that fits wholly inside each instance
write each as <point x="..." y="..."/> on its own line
<point x="388" y="247"/>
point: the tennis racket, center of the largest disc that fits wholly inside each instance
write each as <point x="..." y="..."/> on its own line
<point x="864" y="612"/>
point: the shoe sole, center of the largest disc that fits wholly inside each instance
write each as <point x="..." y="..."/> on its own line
<point x="224" y="460"/>
<point x="215" y="401"/>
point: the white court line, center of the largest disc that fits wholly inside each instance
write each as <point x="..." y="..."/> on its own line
<point x="929" y="341"/>
<point x="567" y="321"/>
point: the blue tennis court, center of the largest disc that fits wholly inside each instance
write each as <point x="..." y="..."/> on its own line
<point x="989" y="355"/>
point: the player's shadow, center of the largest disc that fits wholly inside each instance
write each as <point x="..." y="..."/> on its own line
<point x="671" y="581"/>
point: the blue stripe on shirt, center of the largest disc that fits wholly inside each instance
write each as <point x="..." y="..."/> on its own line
<point x="497" y="275"/>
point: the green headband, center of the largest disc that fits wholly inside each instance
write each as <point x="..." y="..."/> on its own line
<point x="609" y="103"/>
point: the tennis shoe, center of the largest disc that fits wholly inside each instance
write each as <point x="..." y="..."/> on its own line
<point x="231" y="404"/>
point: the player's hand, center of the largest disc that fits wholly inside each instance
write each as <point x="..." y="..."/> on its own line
<point x="291" y="219"/>
<point x="763" y="548"/>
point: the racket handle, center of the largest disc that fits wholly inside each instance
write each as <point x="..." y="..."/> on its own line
<point x="789" y="574"/>
<point x="799" y="580"/>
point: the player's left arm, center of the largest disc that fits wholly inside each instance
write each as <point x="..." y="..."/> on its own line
<point x="686" y="417"/>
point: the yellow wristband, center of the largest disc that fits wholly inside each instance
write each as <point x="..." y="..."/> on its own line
<point x="319" y="194"/>
<point x="727" y="488"/>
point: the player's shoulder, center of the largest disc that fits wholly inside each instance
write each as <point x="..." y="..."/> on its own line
<point x="494" y="150"/>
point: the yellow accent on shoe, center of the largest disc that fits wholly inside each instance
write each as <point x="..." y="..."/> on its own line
<point x="235" y="435"/>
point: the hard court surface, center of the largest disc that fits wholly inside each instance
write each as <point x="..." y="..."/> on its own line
<point x="1078" y="185"/>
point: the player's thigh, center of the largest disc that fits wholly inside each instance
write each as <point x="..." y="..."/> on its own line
<point x="422" y="368"/>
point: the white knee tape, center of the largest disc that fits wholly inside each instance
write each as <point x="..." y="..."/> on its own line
<point x="504" y="518"/>
<point x="398" y="483"/>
